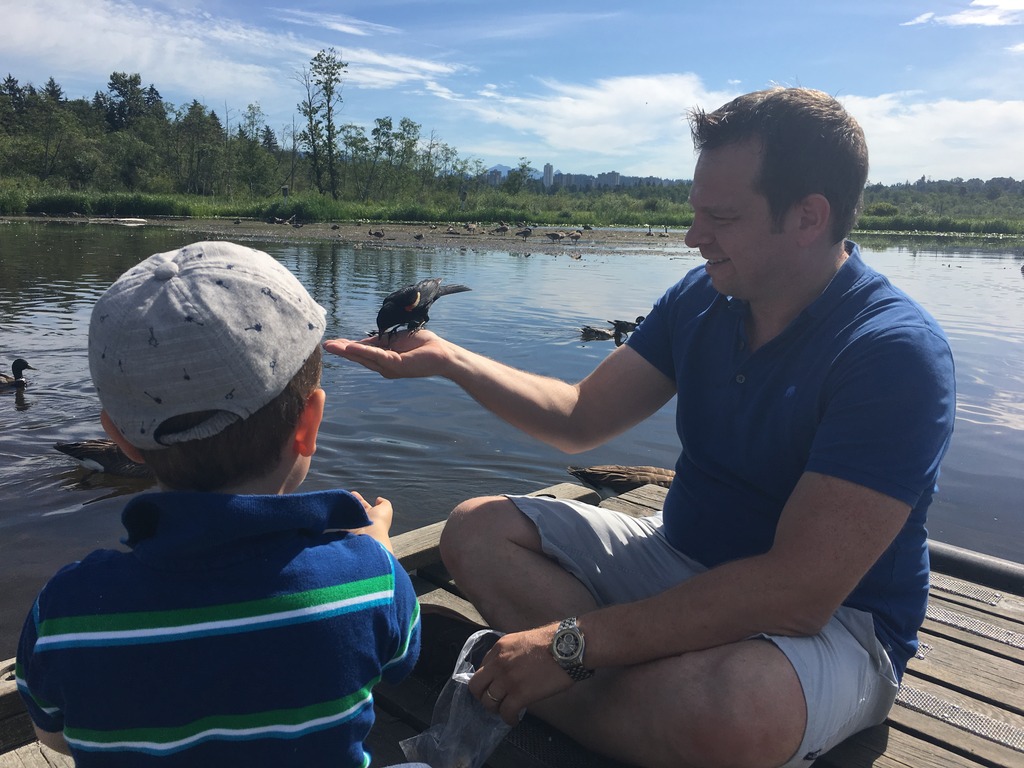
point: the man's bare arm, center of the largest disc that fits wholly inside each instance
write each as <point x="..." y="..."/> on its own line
<point x="830" y="534"/>
<point x="622" y="391"/>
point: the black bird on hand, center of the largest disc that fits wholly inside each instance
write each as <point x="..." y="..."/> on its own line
<point x="408" y="306"/>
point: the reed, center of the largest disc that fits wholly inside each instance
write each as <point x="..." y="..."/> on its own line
<point x="484" y="204"/>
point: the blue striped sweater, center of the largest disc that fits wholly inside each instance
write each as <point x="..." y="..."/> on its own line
<point x="238" y="630"/>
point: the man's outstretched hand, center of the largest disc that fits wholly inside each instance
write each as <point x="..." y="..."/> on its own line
<point x="403" y="355"/>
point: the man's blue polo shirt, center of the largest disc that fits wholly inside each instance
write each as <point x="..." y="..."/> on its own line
<point x="860" y="386"/>
<point x="238" y="631"/>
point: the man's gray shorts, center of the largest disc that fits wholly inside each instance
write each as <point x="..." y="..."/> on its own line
<point x="847" y="678"/>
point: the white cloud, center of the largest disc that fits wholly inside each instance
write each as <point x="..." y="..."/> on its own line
<point x="924" y="18"/>
<point x="908" y="138"/>
<point x="634" y="124"/>
<point x="333" y="22"/>
<point x="221" y="61"/>
<point x="983" y="13"/>
<point x="543" y="25"/>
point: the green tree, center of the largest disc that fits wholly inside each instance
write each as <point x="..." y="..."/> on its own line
<point x="198" y="146"/>
<point x="327" y="68"/>
<point x="319" y="108"/>
<point x="311" y="137"/>
<point x="382" y="148"/>
<point x="517" y="179"/>
<point x="125" y="102"/>
<point x="256" y="166"/>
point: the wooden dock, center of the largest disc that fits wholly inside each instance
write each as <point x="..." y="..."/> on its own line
<point x="961" y="703"/>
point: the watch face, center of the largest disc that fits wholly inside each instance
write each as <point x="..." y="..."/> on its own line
<point x="567" y="645"/>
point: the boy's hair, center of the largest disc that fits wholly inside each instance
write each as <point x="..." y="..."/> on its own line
<point x="244" y="450"/>
<point x="191" y="342"/>
<point x="809" y="145"/>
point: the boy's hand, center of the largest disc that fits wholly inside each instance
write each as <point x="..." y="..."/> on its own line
<point x="380" y="514"/>
<point x="403" y="355"/>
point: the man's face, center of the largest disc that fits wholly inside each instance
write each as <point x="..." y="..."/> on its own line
<point x="732" y="224"/>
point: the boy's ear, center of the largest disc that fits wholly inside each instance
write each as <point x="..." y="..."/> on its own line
<point x="309" y="423"/>
<point x="129" y="450"/>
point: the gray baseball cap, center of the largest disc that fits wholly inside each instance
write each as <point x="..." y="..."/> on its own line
<point x="213" y="326"/>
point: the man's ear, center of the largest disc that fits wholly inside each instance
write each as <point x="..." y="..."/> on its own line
<point x="309" y="423"/>
<point x="130" y="450"/>
<point x="813" y="217"/>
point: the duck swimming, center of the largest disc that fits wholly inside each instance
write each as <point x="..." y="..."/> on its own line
<point x="627" y="326"/>
<point x="590" y="333"/>
<point x="18" y="380"/>
<point x="103" y="455"/>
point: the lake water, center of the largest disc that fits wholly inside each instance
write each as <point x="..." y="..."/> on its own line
<point x="424" y="444"/>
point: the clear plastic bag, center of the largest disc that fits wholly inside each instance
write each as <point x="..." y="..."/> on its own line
<point x="462" y="734"/>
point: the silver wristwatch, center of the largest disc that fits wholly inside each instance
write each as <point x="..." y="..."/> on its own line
<point x="567" y="647"/>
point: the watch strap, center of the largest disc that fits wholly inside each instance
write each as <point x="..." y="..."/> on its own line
<point x="575" y="669"/>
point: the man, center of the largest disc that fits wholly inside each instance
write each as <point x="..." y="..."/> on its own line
<point x="770" y="611"/>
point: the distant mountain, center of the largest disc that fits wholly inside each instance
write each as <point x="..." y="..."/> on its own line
<point x="504" y="169"/>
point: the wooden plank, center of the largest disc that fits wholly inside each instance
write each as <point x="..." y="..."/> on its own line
<point x="997" y="603"/>
<point x="419" y="547"/>
<point x="640" y="502"/>
<point x="974" y="629"/>
<point x="438" y="600"/>
<point x="885" y="747"/>
<point x="15" y="724"/>
<point x="942" y="728"/>
<point x="984" y="676"/>
<point x="35" y="756"/>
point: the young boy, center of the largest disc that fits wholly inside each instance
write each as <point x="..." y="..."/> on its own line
<point x="248" y="624"/>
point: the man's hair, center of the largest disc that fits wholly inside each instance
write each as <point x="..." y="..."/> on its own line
<point x="809" y="145"/>
<point x="246" y="449"/>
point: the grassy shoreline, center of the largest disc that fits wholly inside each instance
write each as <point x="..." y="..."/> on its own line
<point x="484" y="206"/>
<point x="424" y="235"/>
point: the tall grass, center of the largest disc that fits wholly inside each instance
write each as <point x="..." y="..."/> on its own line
<point x="482" y="205"/>
<point x="927" y="223"/>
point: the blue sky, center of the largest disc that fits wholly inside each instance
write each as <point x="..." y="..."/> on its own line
<point x="587" y="85"/>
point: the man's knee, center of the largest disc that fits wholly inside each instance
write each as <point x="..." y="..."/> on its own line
<point x="754" y="711"/>
<point x="477" y="525"/>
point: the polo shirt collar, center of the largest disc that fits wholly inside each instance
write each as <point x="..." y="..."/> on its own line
<point x="852" y="270"/>
<point x="188" y="525"/>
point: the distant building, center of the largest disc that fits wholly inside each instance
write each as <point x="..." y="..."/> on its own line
<point x="577" y="182"/>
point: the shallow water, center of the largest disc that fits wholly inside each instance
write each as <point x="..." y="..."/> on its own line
<point x="423" y="443"/>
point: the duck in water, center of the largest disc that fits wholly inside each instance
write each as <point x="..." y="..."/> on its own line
<point x="18" y="380"/>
